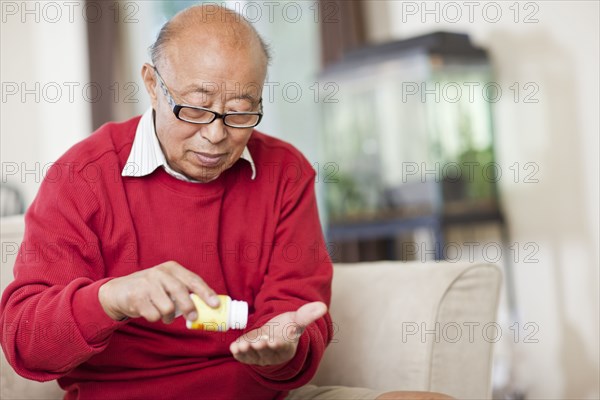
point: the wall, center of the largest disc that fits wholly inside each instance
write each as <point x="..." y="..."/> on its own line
<point x="558" y="54"/>
<point x="46" y="93"/>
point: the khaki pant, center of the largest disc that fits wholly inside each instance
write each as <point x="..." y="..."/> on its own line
<point x="333" y="393"/>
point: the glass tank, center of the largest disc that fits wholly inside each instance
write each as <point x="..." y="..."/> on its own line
<point x="411" y="130"/>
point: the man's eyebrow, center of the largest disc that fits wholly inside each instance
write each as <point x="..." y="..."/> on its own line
<point x="206" y="89"/>
<point x="245" y="96"/>
<point x="196" y="89"/>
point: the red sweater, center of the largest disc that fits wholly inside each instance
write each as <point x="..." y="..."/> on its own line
<point x="256" y="240"/>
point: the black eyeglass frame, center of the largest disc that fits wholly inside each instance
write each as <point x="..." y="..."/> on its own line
<point x="178" y="107"/>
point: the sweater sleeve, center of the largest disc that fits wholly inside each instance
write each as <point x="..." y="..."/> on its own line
<point x="50" y="317"/>
<point x="300" y="272"/>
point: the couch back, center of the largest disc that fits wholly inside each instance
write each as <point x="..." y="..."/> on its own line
<point x="413" y="326"/>
<point x="398" y="326"/>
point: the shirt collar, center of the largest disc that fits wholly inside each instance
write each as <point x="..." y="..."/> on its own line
<point x="146" y="154"/>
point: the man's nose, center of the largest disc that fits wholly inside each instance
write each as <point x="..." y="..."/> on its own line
<point x="214" y="132"/>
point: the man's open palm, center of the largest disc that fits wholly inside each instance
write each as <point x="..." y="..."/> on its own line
<point x="276" y="341"/>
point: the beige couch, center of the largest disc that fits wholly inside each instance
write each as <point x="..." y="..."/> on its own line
<point x="402" y="326"/>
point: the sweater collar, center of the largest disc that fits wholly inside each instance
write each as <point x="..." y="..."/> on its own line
<point x="146" y="154"/>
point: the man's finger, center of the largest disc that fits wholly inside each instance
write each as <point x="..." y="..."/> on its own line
<point x="247" y="355"/>
<point x="261" y="343"/>
<point x="148" y="311"/>
<point x="163" y="303"/>
<point x="309" y="313"/>
<point x="195" y="284"/>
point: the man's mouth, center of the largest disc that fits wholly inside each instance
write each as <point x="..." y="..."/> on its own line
<point x="210" y="159"/>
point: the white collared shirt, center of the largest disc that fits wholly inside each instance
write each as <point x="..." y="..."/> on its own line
<point x="146" y="154"/>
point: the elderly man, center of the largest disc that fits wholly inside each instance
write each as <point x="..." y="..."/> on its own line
<point x="187" y="198"/>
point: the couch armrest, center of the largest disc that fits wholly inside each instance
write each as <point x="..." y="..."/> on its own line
<point x="13" y="386"/>
<point x="413" y="326"/>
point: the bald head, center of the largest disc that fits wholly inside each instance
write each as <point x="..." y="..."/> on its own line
<point x="209" y="22"/>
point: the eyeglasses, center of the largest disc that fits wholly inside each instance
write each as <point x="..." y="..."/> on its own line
<point x="201" y="115"/>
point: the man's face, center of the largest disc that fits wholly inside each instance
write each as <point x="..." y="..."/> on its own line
<point x="208" y="72"/>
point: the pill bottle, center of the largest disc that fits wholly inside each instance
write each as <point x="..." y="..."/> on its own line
<point x="231" y="314"/>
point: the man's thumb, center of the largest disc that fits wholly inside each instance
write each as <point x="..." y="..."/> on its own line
<point x="309" y="313"/>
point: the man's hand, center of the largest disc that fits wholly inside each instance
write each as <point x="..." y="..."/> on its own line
<point x="276" y="341"/>
<point x="155" y="293"/>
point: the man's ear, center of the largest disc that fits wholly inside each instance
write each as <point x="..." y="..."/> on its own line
<point x="149" y="78"/>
